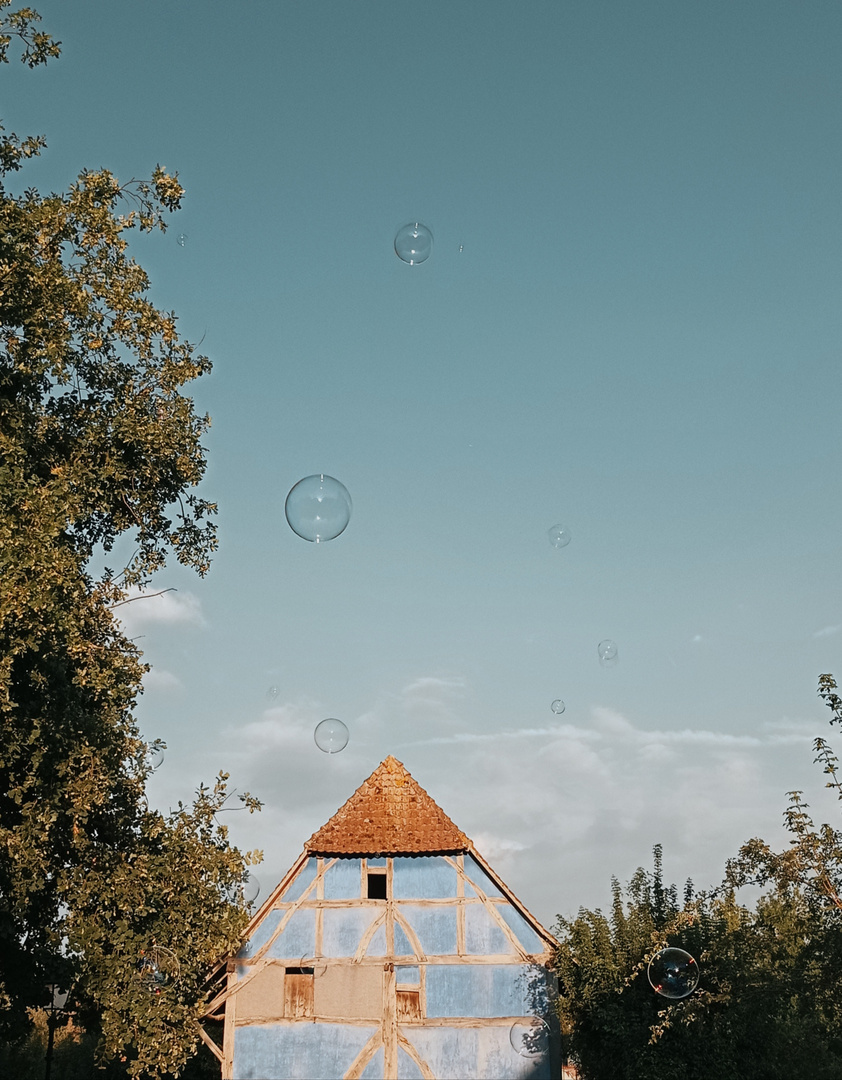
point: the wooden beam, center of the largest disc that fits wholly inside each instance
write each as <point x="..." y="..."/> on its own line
<point x="208" y="1041"/>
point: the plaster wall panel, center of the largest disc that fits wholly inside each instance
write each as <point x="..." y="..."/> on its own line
<point x="298" y="938"/>
<point x="403" y="946"/>
<point x="483" y="936"/>
<point x="475" y="990"/>
<point x="297" y="1051"/>
<point x="352" y="992"/>
<point x="263" y="996"/>
<point x="523" y="931"/>
<point x="374" y="1069"/>
<point x="377" y="945"/>
<point x="424" y="877"/>
<point x="476" y="873"/>
<point x="407" y="1069"/>
<point x="435" y="927"/>
<point x="342" y="881"/>
<point x="296" y="888"/>
<point x="261" y="934"/>
<point x="343" y="928"/>
<point x="475" y="1054"/>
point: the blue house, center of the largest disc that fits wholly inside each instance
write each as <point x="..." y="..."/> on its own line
<point x="390" y="949"/>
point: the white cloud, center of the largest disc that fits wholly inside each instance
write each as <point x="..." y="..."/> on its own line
<point x="159" y="679"/>
<point x="828" y="631"/>
<point x="556" y="809"/>
<point x="159" y="606"/>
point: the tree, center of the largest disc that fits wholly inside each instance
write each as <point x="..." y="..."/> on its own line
<point x="97" y="441"/>
<point x="769" y="1003"/>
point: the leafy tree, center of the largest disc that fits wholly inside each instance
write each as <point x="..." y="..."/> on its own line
<point x="97" y="441"/>
<point x="769" y="1003"/>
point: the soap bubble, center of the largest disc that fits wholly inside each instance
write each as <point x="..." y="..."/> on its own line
<point x="157" y="966"/>
<point x="607" y="651"/>
<point x="414" y="243"/>
<point x="673" y="973"/>
<point x="251" y="887"/>
<point x="558" y="706"/>
<point x="560" y="536"/>
<point x="272" y="693"/>
<point x="182" y="239"/>
<point x="317" y="963"/>
<point x="318" y="508"/>
<point x="331" y="735"/>
<point x="530" y="1037"/>
<point x="155" y="755"/>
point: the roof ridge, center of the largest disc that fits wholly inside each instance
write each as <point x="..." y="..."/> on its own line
<point x="389" y="813"/>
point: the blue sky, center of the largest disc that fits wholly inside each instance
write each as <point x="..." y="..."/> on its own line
<point x="640" y="338"/>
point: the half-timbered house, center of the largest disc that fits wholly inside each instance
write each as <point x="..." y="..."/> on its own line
<point x="390" y="949"/>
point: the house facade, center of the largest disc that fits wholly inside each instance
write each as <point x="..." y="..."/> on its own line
<point x="390" y="950"/>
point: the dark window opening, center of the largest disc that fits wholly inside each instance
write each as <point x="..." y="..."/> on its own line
<point x="300" y="971"/>
<point x="376" y="886"/>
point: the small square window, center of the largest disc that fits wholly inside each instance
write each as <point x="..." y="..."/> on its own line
<point x="376" y="885"/>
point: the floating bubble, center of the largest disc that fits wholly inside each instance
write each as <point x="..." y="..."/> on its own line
<point x="461" y="248"/>
<point x="317" y="963"/>
<point x="272" y="693"/>
<point x="414" y="243"/>
<point x="157" y="967"/>
<point x="530" y="1037"/>
<point x="251" y="887"/>
<point x="673" y="973"/>
<point x="607" y="651"/>
<point x="318" y="508"/>
<point x="560" y="536"/>
<point x="182" y="239"/>
<point x="558" y="706"/>
<point x="331" y="735"/>
<point x="155" y="755"/>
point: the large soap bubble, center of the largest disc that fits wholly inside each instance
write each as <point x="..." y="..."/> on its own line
<point x="157" y="967"/>
<point x="251" y="887"/>
<point x="318" y="508"/>
<point x="530" y="1037"/>
<point x="607" y="651"/>
<point x="558" y="706"/>
<point x="414" y="243"/>
<point x="331" y="735"/>
<point x="673" y="973"/>
<point x="560" y="536"/>
<point x="155" y="754"/>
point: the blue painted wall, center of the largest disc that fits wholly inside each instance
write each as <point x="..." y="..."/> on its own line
<point x="297" y="1051"/>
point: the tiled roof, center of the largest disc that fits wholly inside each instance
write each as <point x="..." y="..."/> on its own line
<point x="388" y="814"/>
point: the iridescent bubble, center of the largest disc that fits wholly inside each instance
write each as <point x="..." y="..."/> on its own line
<point x="157" y="966"/>
<point x="251" y="887"/>
<point x="560" y="536"/>
<point x="673" y="973"/>
<point x="182" y="239"/>
<point x="272" y="693"/>
<point x="558" y="706"/>
<point x="318" y="508"/>
<point x="331" y="735"/>
<point x="607" y="651"/>
<point x="414" y="243"/>
<point x="155" y="755"/>
<point x="530" y="1037"/>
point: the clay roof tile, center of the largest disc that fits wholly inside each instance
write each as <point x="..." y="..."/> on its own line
<point x="389" y="814"/>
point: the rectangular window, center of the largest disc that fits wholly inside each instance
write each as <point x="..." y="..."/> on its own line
<point x="408" y="1005"/>
<point x="298" y="991"/>
<point x="376" y="881"/>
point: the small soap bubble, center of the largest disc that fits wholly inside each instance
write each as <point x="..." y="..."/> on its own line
<point x="530" y="1037"/>
<point x="155" y="755"/>
<point x="272" y="693"/>
<point x="414" y="243"/>
<point x="157" y="967"/>
<point x="318" y="508"/>
<point x="673" y="973"/>
<point x="182" y="239"/>
<point x="607" y="651"/>
<point x="558" y="706"/>
<point x="331" y="735"/>
<point x="560" y="536"/>
<point x="461" y="248"/>
<point x="251" y="887"/>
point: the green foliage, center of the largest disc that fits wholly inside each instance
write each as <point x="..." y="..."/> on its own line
<point x="769" y="1003"/>
<point x="97" y="441"/>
